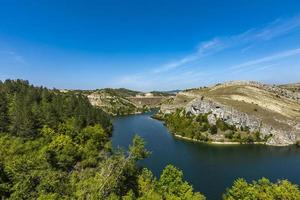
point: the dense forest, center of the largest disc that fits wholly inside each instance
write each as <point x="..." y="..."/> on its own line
<point x="56" y="145"/>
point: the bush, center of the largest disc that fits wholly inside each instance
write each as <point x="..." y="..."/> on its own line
<point x="248" y="139"/>
<point x="229" y="134"/>
<point x="204" y="127"/>
<point x="237" y="137"/>
<point x="222" y="125"/>
<point x="257" y="136"/>
<point x="202" y="118"/>
<point x="262" y="189"/>
<point x="213" y="129"/>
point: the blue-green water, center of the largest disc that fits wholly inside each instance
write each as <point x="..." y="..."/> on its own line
<point x="209" y="168"/>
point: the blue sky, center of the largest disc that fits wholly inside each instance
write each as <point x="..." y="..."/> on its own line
<point x="149" y="45"/>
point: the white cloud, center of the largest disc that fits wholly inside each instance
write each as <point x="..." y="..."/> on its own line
<point x="187" y="70"/>
<point x="275" y="29"/>
<point x="273" y="57"/>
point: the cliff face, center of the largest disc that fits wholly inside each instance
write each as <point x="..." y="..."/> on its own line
<point x="273" y="111"/>
<point x="231" y="116"/>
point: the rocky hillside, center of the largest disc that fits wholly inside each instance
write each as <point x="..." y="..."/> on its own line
<point x="271" y="110"/>
<point x="294" y="87"/>
<point x="111" y="103"/>
<point x="123" y="101"/>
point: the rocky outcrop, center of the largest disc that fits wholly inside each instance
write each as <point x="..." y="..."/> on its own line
<point x="229" y="115"/>
<point x="226" y="113"/>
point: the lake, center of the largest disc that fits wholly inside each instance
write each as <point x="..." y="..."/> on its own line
<point x="210" y="168"/>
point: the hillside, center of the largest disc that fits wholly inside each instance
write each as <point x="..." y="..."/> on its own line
<point x="294" y="87"/>
<point x="123" y="101"/>
<point x="272" y="111"/>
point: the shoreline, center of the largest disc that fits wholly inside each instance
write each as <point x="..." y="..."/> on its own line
<point x="215" y="142"/>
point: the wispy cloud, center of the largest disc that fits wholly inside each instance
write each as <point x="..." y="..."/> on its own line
<point x="14" y="56"/>
<point x="204" y="49"/>
<point x="275" y="29"/>
<point x="189" y="70"/>
<point x="273" y="57"/>
<point x="279" y="27"/>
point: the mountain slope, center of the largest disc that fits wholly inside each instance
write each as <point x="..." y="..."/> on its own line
<point x="113" y="102"/>
<point x="123" y="101"/>
<point x="294" y="87"/>
<point x="271" y="110"/>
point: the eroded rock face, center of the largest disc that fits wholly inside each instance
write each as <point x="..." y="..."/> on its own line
<point x="225" y="113"/>
<point x="239" y="119"/>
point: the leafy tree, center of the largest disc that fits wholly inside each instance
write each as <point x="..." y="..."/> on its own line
<point x="4" y="182"/>
<point x="262" y="189"/>
<point x="62" y="152"/>
<point x="3" y="111"/>
<point x="137" y="149"/>
<point x="171" y="184"/>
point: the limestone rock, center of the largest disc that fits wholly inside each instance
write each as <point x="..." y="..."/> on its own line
<point x="211" y="119"/>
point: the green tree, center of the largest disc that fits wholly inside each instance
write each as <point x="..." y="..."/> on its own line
<point x="62" y="152"/>
<point x="262" y="189"/>
<point x="137" y="149"/>
<point x="171" y="184"/>
<point x="4" y="120"/>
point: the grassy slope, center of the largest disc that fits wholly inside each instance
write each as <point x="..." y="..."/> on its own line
<point x="271" y="108"/>
<point x="294" y="87"/>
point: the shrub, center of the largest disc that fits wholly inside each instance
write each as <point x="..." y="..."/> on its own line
<point x="229" y="134"/>
<point x="222" y="125"/>
<point x="248" y="139"/>
<point x="213" y="129"/>
<point x="237" y="137"/>
<point x="204" y="127"/>
<point x="202" y="118"/>
<point x="257" y="136"/>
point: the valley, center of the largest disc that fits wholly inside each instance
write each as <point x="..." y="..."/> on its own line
<point x="58" y="144"/>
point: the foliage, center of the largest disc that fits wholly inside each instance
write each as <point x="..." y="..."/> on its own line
<point x="262" y="189"/>
<point x="183" y="124"/>
<point x="47" y="137"/>
<point x="57" y="146"/>
<point x="197" y="127"/>
<point x="137" y="149"/>
<point x="25" y="109"/>
<point x="169" y="186"/>
<point x="213" y="129"/>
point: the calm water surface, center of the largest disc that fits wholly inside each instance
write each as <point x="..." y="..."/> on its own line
<point x="209" y="168"/>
